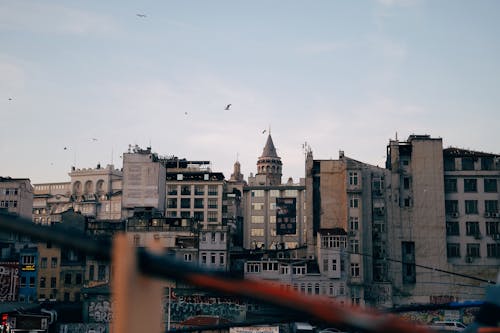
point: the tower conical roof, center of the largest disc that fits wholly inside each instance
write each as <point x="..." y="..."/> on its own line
<point x="269" y="149"/>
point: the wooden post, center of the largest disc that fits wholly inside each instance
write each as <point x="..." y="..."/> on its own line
<point x="137" y="299"/>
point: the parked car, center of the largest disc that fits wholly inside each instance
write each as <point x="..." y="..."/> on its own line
<point x="448" y="325"/>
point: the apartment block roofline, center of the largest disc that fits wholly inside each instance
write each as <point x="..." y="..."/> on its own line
<point x="460" y="152"/>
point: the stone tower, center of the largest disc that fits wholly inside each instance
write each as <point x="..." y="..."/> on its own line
<point x="269" y="164"/>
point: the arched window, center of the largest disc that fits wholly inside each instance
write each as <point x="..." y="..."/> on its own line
<point x="77" y="188"/>
<point x="89" y="187"/>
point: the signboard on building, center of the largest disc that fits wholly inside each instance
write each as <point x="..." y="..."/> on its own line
<point x="255" y="329"/>
<point x="286" y="216"/>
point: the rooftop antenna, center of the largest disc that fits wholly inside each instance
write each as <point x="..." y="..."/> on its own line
<point x="237" y="156"/>
<point x="396" y="136"/>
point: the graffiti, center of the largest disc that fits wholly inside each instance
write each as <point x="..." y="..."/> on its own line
<point x="9" y="277"/>
<point x="100" y="311"/>
<point x="183" y="307"/>
<point x="442" y="299"/>
<point x="466" y="316"/>
<point x="83" y="328"/>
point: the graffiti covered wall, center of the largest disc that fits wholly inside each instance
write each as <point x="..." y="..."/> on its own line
<point x="9" y="279"/>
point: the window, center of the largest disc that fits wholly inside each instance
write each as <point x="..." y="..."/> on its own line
<point x="188" y="257"/>
<point x="171" y="203"/>
<point x="199" y="216"/>
<point x="32" y="282"/>
<point x="53" y="262"/>
<point x="354" y="269"/>
<point x="299" y="270"/>
<point x="470" y="185"/>
<point x="472" y="228"/>
<point x="253" y="267"/>
<point x="354" y="203"/>
<point x="258" y="206"/>
<point x="180" y="176"/>
<point x="66" y="297"/>
<point x="491" y="206"/>
<point x="222" y="237"/>
<point x="353" y="178"/>
<point x="274" y="193"/>
<point x="354" y="222"/>
<point x="333" y="241"/>
<point x="212" y="216"/>
<point x="486" y="163"/>
<point x="471" y="207"/>
<point x="78" y="278"/>
<point x="67" y="278"/>
<point x="53" y="282"/>
<point x="212" y="190"/>
<point x="334" y="264"/>
<point x="473" y="250"/>
<point x="493" y="250"/>
<point x="22" y="284"/>
<point x="452" y="229"/>
<point x="492" y="228"/>
<point x="325" y="265"/>
<point x="451" y="206"/>
<point x="42" y="282"/>
<point x="28" y="260"/>
<point x="467" y="163"/>
<point x="354" y="246"/>
<point x="406" y="183"/>
<point x="185" y="203"/>
<point x="490" y="185"/>
<point x="204" y="258"/>
<point x="450" y="185"/>
<point x="257" y="193"/>
<point x="212" y="203"/>
<point x="172" y="189"/>
<point x="449" y="164"/>
<point x="91" y="273"/>
<point x="101" y="272"/>
<point x="212" y="258"/>
<point x="257" y="232"/>
<point x="213" y="236"/>
<point x="257" y="219"/>
<point x="407" y="202"/>
<point x="222" y="259"/>
<point x="199" y="190"/>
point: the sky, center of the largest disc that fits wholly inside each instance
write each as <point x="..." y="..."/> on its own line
<point x="81" y="81"/>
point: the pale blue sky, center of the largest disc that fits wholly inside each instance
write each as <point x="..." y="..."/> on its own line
<point x="341" y="75"/>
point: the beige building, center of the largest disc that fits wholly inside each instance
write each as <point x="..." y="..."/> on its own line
<point x="443" y="216"/>
<point x="472" y="216"/>
<point x="261" y="201"/>
<point x="143" y="181"/>
<point x="346" y="207"/>
<point x="16" y="196"/>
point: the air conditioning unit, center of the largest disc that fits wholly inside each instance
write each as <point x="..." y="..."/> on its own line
<point x="468" y="259"/>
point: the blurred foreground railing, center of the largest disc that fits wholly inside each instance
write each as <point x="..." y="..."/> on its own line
<point x="137" y="293"/>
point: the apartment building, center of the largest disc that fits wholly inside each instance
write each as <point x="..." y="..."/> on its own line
<point x="346" y="209"/>
<point x="472" y="214"/>
<point x="274" y="213"/>
<point x="143" y="181"/>
<point x="16" y="196"/>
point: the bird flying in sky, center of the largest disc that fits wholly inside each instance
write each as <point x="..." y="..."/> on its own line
<point x="141" y="15"/>
<point x="94" y="139"/>
<point x="264" y="131"/>
<point x="227" y="107"/>
<point x="10" y="98"/>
